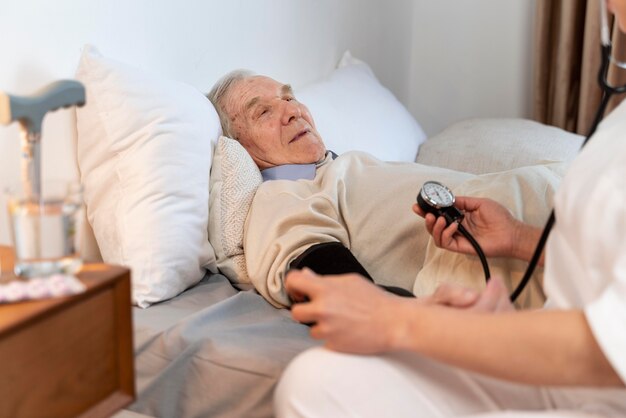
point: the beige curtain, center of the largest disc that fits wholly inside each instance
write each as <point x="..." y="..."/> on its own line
<point x="567" y="59"/>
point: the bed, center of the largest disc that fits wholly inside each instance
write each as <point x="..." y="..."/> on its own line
<point x="212" y="351"/>
<point x="205" y="346"/>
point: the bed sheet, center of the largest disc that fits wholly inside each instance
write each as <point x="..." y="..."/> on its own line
<point x="212" y="351"/>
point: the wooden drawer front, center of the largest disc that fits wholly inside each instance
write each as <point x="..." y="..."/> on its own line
<point x="64" y="363"/>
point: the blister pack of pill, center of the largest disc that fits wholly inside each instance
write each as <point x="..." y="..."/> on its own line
<point x="40" y="288"/>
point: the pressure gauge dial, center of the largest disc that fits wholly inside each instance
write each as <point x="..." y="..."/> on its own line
<point x="437" y="199"/>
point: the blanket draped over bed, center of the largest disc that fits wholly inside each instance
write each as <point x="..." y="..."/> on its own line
<point x="213" y="351"/>
<point x="365" y="204"/>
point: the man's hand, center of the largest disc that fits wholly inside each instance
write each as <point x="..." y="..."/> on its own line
<point x="495" y="297"/>
<point x="490" y="223"/>
<point x="353" y="315"/>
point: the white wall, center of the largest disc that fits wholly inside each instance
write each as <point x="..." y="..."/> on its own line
<point x="193" y="41"/>
<point x="408" y="43"/>
<point x="470" y="59"/>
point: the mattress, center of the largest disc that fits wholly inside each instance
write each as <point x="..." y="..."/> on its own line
<point x="212" y="351"/>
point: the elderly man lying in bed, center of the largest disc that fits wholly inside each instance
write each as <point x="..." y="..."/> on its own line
<point x="350" y="212"/>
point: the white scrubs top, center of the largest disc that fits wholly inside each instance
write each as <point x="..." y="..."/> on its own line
<point x="586" y="251"/>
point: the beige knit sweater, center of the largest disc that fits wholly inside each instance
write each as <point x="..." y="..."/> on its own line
<point x="365" y="204"/>
<point x="357" y="200"/>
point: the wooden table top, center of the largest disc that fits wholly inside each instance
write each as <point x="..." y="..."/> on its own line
<point x="94" y="276"/>
<point x="62" y="342"/>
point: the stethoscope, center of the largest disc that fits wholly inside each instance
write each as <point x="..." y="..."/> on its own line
<point x="437" y="199"/>
<point x="607" y="59"/>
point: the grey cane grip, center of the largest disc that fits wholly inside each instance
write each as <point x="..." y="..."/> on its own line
<point x="30" y="110"/>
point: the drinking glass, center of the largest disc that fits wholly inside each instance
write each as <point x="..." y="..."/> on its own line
<point x="45" y="231"/>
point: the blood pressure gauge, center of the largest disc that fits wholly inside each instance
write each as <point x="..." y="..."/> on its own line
<point x="437" y="199"/>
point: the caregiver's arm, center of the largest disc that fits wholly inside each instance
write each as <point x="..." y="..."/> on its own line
<point x="492" y="225"/>
<point x="544" y="347"/>
<point x="538" y="347"/>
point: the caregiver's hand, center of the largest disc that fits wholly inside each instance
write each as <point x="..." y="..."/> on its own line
<point x="350" y="313"/>
<point x="353" y="315"/>
<point x="491" y="224"/>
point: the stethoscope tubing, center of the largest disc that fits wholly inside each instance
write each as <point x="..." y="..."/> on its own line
<point x="607" y="91"/>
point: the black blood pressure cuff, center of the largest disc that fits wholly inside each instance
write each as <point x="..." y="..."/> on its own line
<point x="334" y="258"/>
<point x="329" y="258"/>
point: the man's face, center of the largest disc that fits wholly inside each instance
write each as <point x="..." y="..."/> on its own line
<point x="271" y="124"/>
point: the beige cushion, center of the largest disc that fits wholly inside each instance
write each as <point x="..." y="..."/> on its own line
<point x="234" y="181"/>
<point x="489" y="145"/>
<point x="528" y="192"/>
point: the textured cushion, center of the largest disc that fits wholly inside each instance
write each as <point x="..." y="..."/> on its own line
<point x="353" y="111"/>
<point x="234" y="181"/>
<point x="489" y="145"/>
<point x="144" y="153"/>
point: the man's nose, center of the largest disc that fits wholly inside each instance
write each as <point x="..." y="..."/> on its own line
<point x="291" y="112"/>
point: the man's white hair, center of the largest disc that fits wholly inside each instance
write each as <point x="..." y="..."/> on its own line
<point x="219" y="93"/>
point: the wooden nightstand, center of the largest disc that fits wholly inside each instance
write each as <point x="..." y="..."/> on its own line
<point x="69" y="356"/>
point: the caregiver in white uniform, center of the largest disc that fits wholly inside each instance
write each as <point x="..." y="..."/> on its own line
<point x="462" y="353"/>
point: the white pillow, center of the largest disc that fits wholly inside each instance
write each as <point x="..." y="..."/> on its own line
<point x="353" y="111"/>
<point x="144" y="153"/>
<point x="234" y="181"/>
<point x="489" y="145"/>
